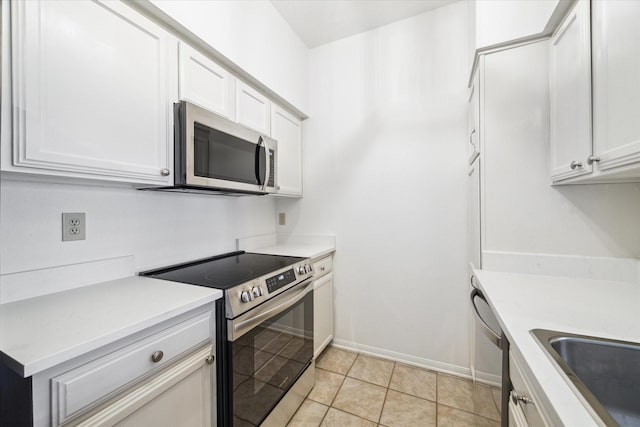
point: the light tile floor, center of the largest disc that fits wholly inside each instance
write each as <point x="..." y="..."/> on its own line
<point x="356" y="390"/>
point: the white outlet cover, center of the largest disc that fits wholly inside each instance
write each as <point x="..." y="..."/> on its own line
<point x="74" y="226"/>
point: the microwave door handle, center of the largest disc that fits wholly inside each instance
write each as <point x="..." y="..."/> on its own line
<point x="257" y="160"/>
<point x="266" y="168"/>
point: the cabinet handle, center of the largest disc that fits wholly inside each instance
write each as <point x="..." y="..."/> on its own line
<point x="157" y="356"/>
<point x="323" y="268"/>
<point x="575" y="164"/>
<point x="210" y="359"/>
<point x="517" y="398"/>
<point x="471" y="137"/>
<point x="165" y="172"/>
<point x="592" y="159"/>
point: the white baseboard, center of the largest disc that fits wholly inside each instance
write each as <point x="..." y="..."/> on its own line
<point x="407" y="359"/>
<point x="489" y="379"/>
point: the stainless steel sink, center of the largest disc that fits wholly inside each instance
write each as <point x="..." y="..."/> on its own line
<point x="605" y="372"/>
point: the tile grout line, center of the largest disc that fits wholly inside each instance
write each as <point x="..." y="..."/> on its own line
<point x="437" y="376"/>
<point x="388" y="388"/>
<point x="339" y="387"/>
<point x="386" y="393"/>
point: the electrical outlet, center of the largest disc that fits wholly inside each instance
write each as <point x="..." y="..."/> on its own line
<point x="74" y="226"/>
<point x="282" y="218"/>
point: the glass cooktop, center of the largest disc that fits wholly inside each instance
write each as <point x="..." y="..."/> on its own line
<point x="223" y="271"/>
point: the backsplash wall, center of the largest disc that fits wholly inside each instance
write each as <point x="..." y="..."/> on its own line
<point x="157" y="228"/>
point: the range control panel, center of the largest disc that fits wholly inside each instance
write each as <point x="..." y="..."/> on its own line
<point x="283" y="279"/>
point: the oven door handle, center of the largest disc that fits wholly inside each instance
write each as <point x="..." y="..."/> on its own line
<point x="240" y="326"/>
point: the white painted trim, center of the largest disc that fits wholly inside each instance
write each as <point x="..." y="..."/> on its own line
<point x="21" y="285"/>
<point x="445" y="368"/>
<point x="488" y="379"/>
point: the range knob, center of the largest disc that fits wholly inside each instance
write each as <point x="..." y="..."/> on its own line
<point x="245" y="296"/>
<point x="302" y="270"/>
<point x="256" y="291"/>
<point x="308" y="268"/>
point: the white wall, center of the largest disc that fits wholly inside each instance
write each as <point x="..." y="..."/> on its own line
<point x="385" y="170"/>
<point x="522" y="211"/>
<point x="253" y="35"/>
<point x="157" y="228"/>
<point x="499" y="21"/>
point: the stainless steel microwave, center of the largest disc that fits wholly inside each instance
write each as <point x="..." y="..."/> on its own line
<point x="215" y="154"/>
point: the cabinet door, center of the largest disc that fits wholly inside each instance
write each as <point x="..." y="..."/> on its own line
<point x="205" y="83"/>
<point x="474" y="119"/>
<point x="93" y="86"/>
<point x="180" y="396"/>
<point x="322" y="313"/>
<point x="523" y="412"/>
<point x="253" y="109"/>
<point x="570" y="95"/>
<point x="616" y="92"/>
<point x="287" y="130"/>
<point x="473" y="195"/>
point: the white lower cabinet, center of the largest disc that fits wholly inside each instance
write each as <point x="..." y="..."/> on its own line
<point x="322" y="304"/>
<point x="287" y="130"/>
<point x="179" y="396"/>
<point x="523" y="405"/>
<point x="92" y="88"/>
<point x="161" y="376"/>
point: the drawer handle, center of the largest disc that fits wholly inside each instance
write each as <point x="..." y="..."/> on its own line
<point x="210" y="359"/>
<point x="516" y="398"/>
<point x="157" y="356"/>
<point x="323" y="268"/>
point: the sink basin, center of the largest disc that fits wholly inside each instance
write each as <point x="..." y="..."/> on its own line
<point x="606" y="373"/>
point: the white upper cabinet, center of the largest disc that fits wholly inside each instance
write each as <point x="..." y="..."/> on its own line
<point x="595" y="137"/>
<point x="92" y="92"/>
<point x="570" y="95"/>
<point x="253" y="109"/>
<point x="205" y="83"/>
<point x="287" y="130"/>
<point x="616" y="88"/>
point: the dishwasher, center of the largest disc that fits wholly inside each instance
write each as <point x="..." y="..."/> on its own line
<point x="491" y="352"/>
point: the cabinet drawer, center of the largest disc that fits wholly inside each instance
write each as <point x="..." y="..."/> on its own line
<point x="80" y="388"/>
<point x="323" y="266"/>
<point x="522" y="403"/>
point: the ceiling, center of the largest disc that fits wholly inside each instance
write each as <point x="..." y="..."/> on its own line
<point x="322" y="21"/>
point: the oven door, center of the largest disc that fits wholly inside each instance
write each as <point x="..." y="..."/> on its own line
<point x="271" y="346"/>
<point x="224" y="155"/>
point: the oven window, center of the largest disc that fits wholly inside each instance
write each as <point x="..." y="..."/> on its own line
<point x="268" y="360"/>
<point x="219" y="155"/>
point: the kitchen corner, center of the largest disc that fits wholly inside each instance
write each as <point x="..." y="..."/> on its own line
<point x="578" y="305"/>
<point x="308" y="246"/>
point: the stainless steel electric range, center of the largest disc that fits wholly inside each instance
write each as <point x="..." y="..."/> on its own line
<point x="264" y="333"/>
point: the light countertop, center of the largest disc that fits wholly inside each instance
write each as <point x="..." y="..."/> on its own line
<point x="600" y="308"/>
<point x="296" y="249"/>
<point x="307" y="246"/>
<point x="41" y="332"/>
